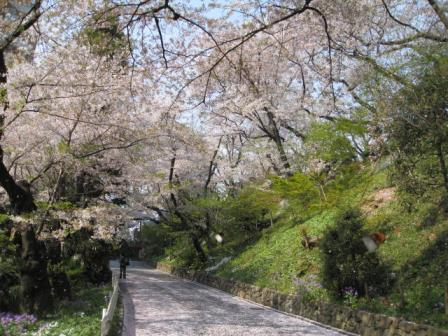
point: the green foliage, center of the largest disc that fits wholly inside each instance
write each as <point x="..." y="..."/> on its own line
<point x="419" y="127"/>
<point x="80" y="317"/>
<point x="92" y="254"/>
<point x="300" y="190"/>
<point x="329" y="141"/>
<point x="181" y="253"/>
<point x="104" y="37"/>
<point x="271" y="261"/>
<point x="95" y="257"/>
<point x="9" y="274"/>
<point x="347" y="265"/>
<point x="17" y="324"/>
<point x="350" y="185"/>
<point x="3" y="218"/>
<point x="3" y="95"/>
<point x="154" y="238"/>
<point x="63" y="205"/>
<point x="75" y="272"/>
<point x="417" y="249"/>
<point x="116" y="325"/>
<point x="251" y="210"/>
<point x="63" y="147"/>
<point x="237" y="218"/>
<point x="60" y="205"/>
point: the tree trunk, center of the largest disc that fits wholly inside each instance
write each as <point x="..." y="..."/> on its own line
<point x="35" y="286"/>
<point x="278" y="140"/>
<point x="2" y="68"/>
<point x="185" y="223"/>
<point x="197" y="246"/>
<point x="194" y="239"/>
<point x="446" y="300"/>
<point x="58" y="277"/>
<point x="20" y="197"/>
<point x="283" y="157"/>
<point x="443" y="168"/>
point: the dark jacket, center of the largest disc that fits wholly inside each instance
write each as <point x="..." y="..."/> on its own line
<point x="123" y="261"/>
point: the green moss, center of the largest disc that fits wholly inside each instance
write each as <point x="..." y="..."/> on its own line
<point x="60" y="205"/>
<point x="3" y="95"/>
<point x="3" y="218"/>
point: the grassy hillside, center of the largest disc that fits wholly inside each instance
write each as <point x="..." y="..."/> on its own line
<point x="415" y="249"/>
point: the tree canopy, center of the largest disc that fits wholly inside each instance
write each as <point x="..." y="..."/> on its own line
<point x="161" y="105"/>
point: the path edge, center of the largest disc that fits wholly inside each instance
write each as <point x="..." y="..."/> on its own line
<point x="128" y="326"/>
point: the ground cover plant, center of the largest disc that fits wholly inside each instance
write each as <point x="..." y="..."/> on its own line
<point x="82" y="316"/>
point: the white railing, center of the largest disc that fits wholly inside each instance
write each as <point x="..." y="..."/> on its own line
<point x="108" y="313"/>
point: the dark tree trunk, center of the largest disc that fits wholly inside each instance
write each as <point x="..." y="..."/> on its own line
<point x="283" y="157"/>
<point x="20" y="198"/>
<point x="19" y="195"/>
<point x="211" y="168"/>
<point x="96" y="262"/>
<point x="197" y="246"/>
<point x="443" y="168"/>
<point x="58" y="278"/>
<point x="35" y="286"/>
<point x="275" y="135"/>
<point x="194" y="238"/>
<point x="2" y="68"/>
<point x="446" y="300"/>
<point x="185" y="223"/>
<point x="61" y="285"/>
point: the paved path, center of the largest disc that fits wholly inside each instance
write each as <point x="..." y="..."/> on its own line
<point x="156" y="303"/>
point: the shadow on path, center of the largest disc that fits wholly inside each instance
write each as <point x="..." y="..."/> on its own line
<point x="129" y="311"/>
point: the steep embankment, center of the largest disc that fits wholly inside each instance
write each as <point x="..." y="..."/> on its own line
<point x="415" y="248"/>
<point x="285" y="254"/>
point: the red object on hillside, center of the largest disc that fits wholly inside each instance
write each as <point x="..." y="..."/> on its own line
<point x="378" y="237"/>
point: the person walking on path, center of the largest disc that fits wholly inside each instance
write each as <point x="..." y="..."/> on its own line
<point x="123" y="264"/>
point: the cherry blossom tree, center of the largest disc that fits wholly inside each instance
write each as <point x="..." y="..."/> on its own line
<point x="152" y="104"/>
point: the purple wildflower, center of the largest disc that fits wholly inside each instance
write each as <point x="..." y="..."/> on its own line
<point x="350" y="291"/>
<point x="18" y="319"/>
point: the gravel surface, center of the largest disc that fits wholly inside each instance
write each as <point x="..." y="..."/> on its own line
<point x="159" y="304"/>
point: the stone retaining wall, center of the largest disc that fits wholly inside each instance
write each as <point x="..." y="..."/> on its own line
<point x="354" y="321"/>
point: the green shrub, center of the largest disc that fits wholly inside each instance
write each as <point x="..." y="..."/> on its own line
<point x="251" y="210"/>
<point x="418" y="130"/>
<point x="329" y="141"/>
<point x="9" y="275"/>
<point x="347" y="265"/>
<point x="182" y="253"/>
<point x="154" y="238"/>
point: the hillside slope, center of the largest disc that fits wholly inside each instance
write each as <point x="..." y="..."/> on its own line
<point x="415" y="247"/>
